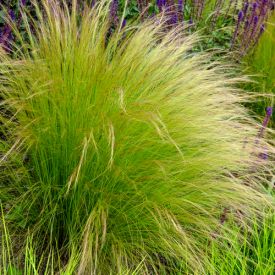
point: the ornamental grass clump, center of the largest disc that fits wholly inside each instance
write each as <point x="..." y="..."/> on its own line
<point x="120" y="152"/>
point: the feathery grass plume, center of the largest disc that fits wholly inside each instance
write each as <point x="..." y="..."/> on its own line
<point x="121" y="153"/>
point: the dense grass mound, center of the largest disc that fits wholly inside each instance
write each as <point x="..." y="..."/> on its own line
<point x="121" y="151"/>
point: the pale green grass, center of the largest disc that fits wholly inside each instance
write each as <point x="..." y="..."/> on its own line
<point x="251" y="251"/>
<point x="120" y="155"/>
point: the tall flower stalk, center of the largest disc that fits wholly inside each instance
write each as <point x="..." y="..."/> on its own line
<point x="251" y="26"/>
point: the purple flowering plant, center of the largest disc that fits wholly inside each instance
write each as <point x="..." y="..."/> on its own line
<point x="214" y="17"/>
<point x="250" y="24"/>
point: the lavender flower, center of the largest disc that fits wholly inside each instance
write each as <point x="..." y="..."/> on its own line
<point x="123" y="23"/>
<point x="114" y="11"/>
<point x="12" y="15"/>
<point x="262" y="29"/>
<point x="161" y="4"/>
<point x="240" y="18"/>
<point x="180" y="6"/>
<point x="255" y="20"/>
<point x="254" y="7"/>
<point x="269" y="110"/>
<point x="245" y="8"/>
<point x="255" y="16"/>
<point x="263" y="8"/>
<point x="6" y="35"/>
<point x="252" y="33"/>
<point x="268" y="115"/>
<point x="263" y="156"/>
<point x="173" y="19"/>
<point x="253" y="13"/>
<point x="249" y="24"/>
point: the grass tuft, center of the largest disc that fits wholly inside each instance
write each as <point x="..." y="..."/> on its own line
<point x="121" y="151"/>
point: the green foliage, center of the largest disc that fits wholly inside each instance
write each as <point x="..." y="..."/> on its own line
<point x="120" y="154"/>
<point x="254" y="253"/>
<point x="261" y="64"/>
<point x="264" y="57"/>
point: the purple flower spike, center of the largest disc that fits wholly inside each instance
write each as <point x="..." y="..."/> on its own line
<point x="269" y="111"/>
<point x="240" y="18"/>
<point x="240" y="15"/>
<point x="262" y="29"/>
<point x="254" y="6"/>
<point x="268" y="115"/>
<point x="12" y="15"/>
<point x="23" y="2"/>
<point x="181" y="10"/>
<point x="123" y="23"/>
<point x="256" y="19"/>
<point x="114" y="11"/>
<point x="246" y="5"/>
<point x="263" y="156"/>
<point x="174" y="19"/>
<point x="180" y="6"/>
<point x="161" y="4"/>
